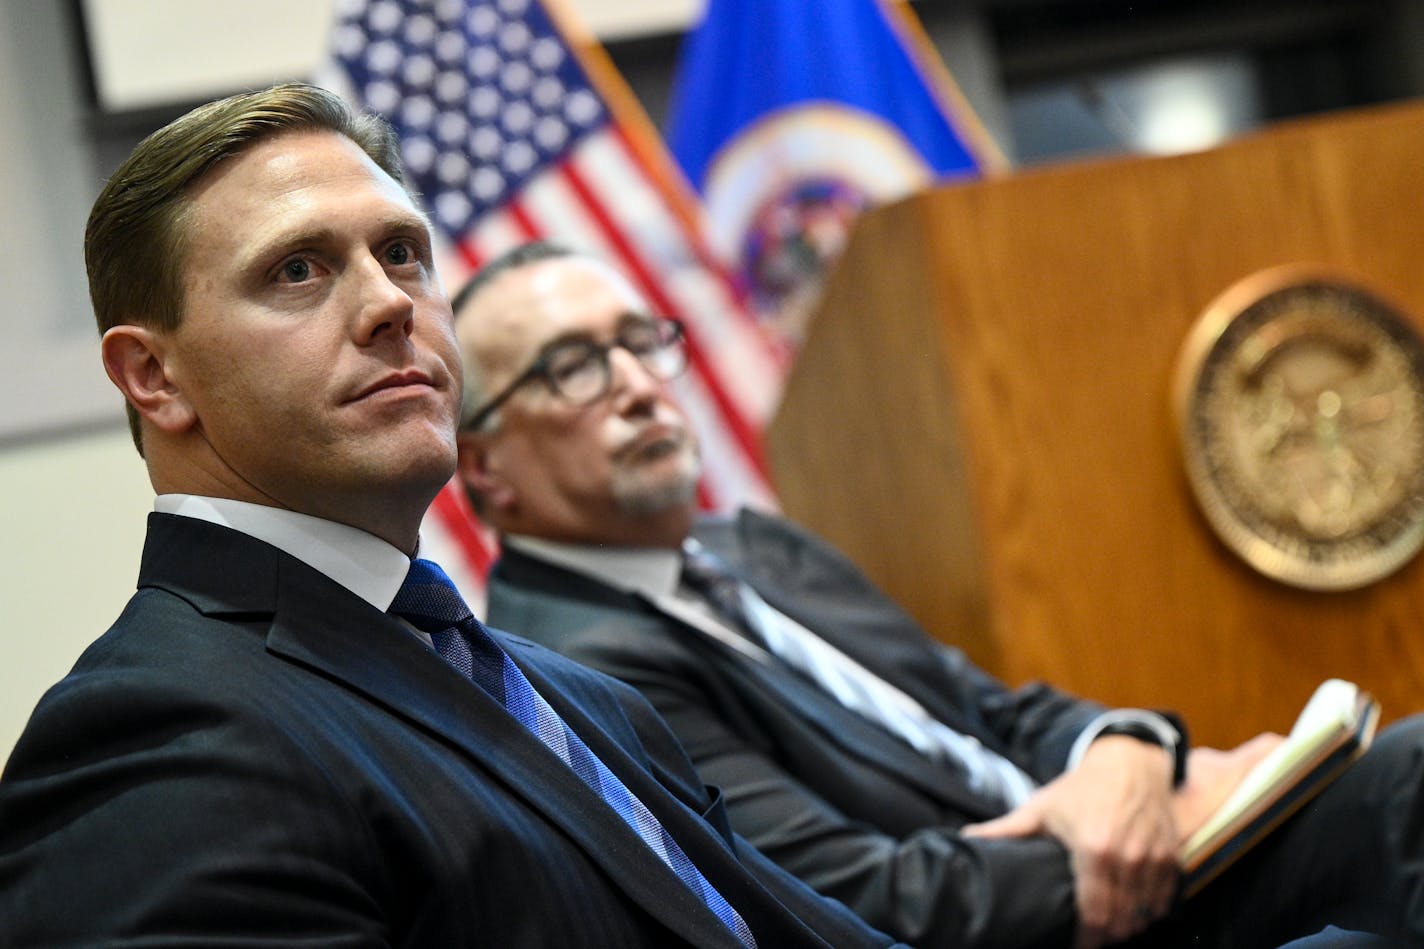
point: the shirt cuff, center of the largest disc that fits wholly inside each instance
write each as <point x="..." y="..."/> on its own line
<point x="1139" y="723"/>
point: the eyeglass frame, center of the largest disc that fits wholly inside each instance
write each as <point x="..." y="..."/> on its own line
<point x="539" y="370"/>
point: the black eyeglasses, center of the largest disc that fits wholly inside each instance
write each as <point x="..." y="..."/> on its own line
<point x="578" y="370"/>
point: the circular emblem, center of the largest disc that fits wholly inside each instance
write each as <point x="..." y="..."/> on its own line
<point x="1300" y="403"/>
<point x="793" y="238"/>
<point x="781" y="194"/>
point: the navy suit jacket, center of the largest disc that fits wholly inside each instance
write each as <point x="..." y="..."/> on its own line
<point x="830" y="796"/>
<point x="253" y="755"/>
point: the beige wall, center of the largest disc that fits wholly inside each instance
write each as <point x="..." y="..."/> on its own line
<point x="225" y="46"/>
<point x="73" y="522"/>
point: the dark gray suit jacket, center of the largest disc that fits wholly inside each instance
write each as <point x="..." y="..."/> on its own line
<point x="254" y="756"/>
<point x="831" y="797"/>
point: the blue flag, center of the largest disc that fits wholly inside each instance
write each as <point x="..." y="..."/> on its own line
<point x="792" y="116"/>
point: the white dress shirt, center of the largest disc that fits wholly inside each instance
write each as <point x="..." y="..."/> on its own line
<point x="361" y="562"/>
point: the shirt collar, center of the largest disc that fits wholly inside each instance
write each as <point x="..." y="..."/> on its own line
<point x="651" y="571"/>
<point x="361" y="562"/>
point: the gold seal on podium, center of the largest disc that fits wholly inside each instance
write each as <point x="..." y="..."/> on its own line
<point x="1299" y="397"/>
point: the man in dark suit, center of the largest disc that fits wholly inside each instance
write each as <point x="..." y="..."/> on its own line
<point x="258" y="752"/>
<point x="867" y="758"/>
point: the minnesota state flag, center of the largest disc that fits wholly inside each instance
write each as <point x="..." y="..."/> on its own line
<point x="792" y="116"/>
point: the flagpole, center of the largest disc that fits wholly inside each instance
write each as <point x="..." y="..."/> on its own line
<point x="643" y="137"/>
<point x="945" y="89"/>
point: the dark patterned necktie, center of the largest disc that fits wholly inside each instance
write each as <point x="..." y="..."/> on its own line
<point x="430" y="601"/>
<point x="709" y="576"/>
<point x="857" y="688"/>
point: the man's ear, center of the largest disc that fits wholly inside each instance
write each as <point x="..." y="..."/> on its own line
<point x="134" y="357"/>
<point x="481" y="472"/>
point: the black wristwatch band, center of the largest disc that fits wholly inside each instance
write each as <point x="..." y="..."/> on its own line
<point x="1173" y="738"/>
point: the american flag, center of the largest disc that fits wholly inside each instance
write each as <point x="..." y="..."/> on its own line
<point x="514" y="126"/>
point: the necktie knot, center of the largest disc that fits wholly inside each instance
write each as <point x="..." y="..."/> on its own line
<point x="708" y="574"/>
<point x="429" y="600"/>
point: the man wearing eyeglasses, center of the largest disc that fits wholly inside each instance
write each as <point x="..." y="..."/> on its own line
<point x="626" y="475"/>
<point x="868" y="759"/>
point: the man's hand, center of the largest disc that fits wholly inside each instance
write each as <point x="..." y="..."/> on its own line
<point x="1212" y="775"/>
<point x="1115" y="814"/>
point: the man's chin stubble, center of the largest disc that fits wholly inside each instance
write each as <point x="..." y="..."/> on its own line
<point x="636" y="496"/>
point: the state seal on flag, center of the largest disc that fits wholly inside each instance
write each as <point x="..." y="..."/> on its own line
<point x="782" y="195"/>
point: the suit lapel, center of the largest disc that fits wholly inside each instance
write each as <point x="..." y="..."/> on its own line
<point x="788" y="575"/>
<point x="851" y="733"/>
<point x="320" y="625"/>
<point x="816" y="587"/>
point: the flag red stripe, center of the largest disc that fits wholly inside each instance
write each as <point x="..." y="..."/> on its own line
<point x="521" y="217"/>
<point x="468" y="255"/>
<point x="453" y="509"/>
<point x="695" y="238"/>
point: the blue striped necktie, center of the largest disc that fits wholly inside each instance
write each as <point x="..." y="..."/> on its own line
<point x="429" y="600"/>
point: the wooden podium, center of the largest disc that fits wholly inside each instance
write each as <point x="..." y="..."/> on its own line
<point x="981" y="418"/>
